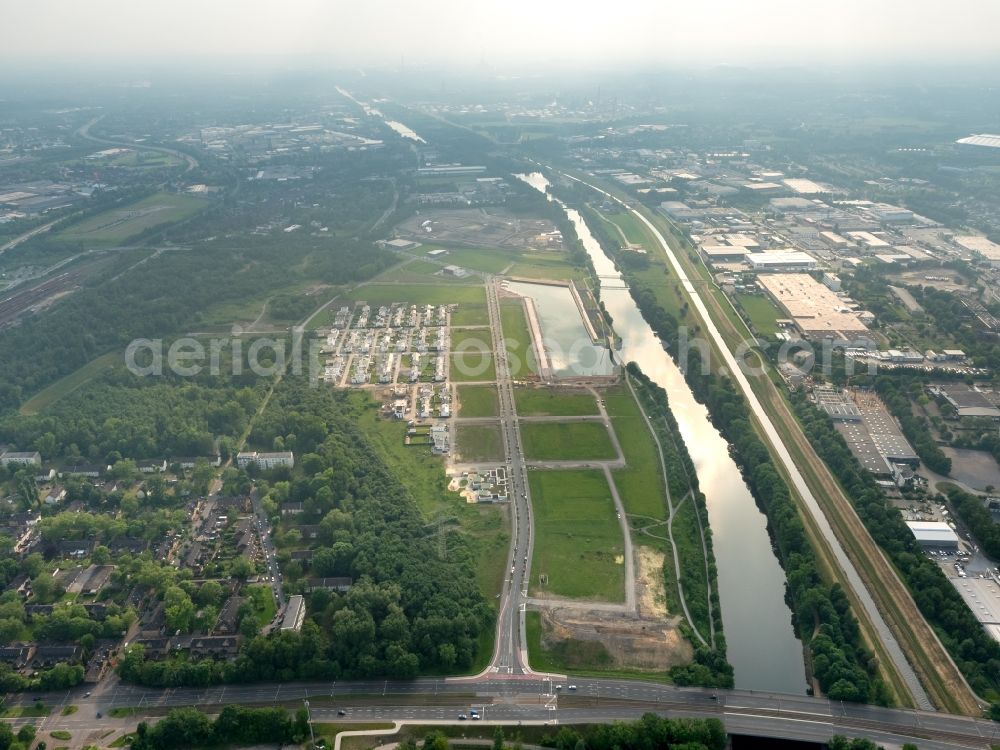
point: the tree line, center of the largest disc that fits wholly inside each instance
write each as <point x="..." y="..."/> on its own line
<point x="235" y="726"/>
<point x="821" y="613"/>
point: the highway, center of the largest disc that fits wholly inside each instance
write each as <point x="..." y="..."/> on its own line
<point x="510" y="699"/>
<point x="851" y="574"/>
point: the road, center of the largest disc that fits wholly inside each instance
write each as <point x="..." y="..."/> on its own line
<point x="509" y="699"/>
<point x="770" y="433"/>
<point x="268" y="552"/>
<point x="84" y="132"/>
<point x="510" y="655"/>
<point x="27" y="236"/>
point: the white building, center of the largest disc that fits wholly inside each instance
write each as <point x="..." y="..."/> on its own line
<point x="265" y="460"/>
<point x="781" y="260"/>
<point x="20" y="459"/>
<point x="934" y="534"/>
<point x="295" y="613"/>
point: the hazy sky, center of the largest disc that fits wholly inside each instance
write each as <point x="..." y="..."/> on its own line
<point x="586" y="33"/>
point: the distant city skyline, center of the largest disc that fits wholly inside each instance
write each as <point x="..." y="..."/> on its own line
<point x="512" y="34"/>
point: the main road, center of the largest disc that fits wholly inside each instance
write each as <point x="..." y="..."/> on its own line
<point x="510" y="699"/>
<point x="510" y="654"/>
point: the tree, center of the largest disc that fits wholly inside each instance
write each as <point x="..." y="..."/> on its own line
<point x="210" y="593"/>
<point x="241" y="567"/>
<point x="498" y="739"/>
<point x="26" y="734"/>
<point x="435" y="741"/>
<point x="45" y="588"/>
<point x="178" y="609"/>
<point x="202" y="475"/>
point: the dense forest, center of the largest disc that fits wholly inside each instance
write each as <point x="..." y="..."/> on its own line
<point x="125" y="415"/>
<point x="414" y="608"/>
<point x="162" y="297"/>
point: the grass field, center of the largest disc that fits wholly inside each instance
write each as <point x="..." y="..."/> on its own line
<point x="555" y="268"/>
<point x="640" y="484"/>
<point x="121" y="224"/>
<point x="420" y="294"/>
<point x="517" y="338"/>
<point x="419" y="271"/>
<point x="48" y="396"/>
<point x="762" y="313"/>
<point x="566" y="441"/>
<point x="578" y="549"/>
<point x="491" y="260"/>
<point x="473" y="340"/>
<point x="477" y="401"/>
<point x="479" y="442"/>
<point x="471" y="315"/>
<point x="24" y="712"/>
<point x="472" y="366"/>
<point x="634" y="232"/>
<point x="554" y="402"/>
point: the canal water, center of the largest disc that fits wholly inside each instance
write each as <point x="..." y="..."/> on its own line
<point x="761" y="644"/>
<point x="568" y="345"/>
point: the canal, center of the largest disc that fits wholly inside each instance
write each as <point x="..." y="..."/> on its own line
<point x="761" y="643"/>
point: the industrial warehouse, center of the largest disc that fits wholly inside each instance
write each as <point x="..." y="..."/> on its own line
<point x="816" y="311"/>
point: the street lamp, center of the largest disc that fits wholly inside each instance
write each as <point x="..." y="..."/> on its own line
<point x="312" y="736"/>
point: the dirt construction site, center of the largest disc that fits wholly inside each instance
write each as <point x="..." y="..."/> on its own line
<point x="647" y="640"/>
<point x="480" y="227"/>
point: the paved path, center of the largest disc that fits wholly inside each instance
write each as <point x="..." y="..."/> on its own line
<point x="671" y="510"/>
<point x="630" y="603"/>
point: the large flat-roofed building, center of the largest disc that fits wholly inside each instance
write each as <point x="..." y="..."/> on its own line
<point x="295" y="613"/>
<point x="265" y="460"/>
<point x="981" y="246"/>
<point x="882" y="427"/>
<point x="781" y="260"/>
<point x="860" y="441"/>
<point x="816" y="311"/>
<point x="804" y="186"/>
<point x="723" y="253"/>
<point x="869" y="240"/>
<point x="981" y="139"/>
<point x="967" y="401"/>
<point x="982" y="595"/>
<point x="9" y="458"/>
<point x="934" y="534"/>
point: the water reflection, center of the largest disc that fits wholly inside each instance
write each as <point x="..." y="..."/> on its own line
<point x="568" y="347"/>
<point x="762" y="646"/>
